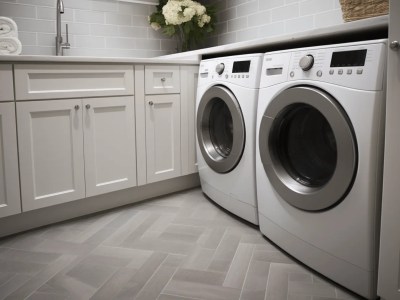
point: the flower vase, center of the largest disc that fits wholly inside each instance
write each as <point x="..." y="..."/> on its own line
<point x="183" y="40"/>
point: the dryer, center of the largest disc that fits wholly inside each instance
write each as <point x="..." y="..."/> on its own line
<point x="226" y="109"/>
<point x="320" y="131"/>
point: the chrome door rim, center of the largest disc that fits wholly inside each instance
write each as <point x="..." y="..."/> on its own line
<point x="214" y="160"/>
<point x="296" y="194"/>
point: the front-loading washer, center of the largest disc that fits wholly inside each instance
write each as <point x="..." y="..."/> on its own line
<point x="226" y="111"/>
<point x="320" y="131"/>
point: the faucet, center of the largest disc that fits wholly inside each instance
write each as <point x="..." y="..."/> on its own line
<point x="60" y="46"/>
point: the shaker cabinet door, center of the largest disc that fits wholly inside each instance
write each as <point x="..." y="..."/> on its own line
<point x="50" y="140"/>
<point x="110" y="154"/>
<point x="10" y="202"/>
<point x="163" y="141"/>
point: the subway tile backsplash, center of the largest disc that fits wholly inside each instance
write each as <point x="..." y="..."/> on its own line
<point x="106" y="28"/>
<point x="117" y="29"/>
<point x="242" y="20"/>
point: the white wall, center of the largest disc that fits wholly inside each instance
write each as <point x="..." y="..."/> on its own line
<point x="241" y="20"/>
<point x="97" y="28"/>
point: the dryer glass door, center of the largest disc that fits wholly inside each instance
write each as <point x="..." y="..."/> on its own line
<point x="308" y="148"/>
<point x="220" y="129"/>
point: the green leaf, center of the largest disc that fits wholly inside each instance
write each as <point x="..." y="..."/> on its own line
<point x="169" y="30"/>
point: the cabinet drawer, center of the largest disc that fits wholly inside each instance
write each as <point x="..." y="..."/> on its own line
<point x="162" y="80"/>
<point x="6" y="83"/>
<point x="51" y="81"/>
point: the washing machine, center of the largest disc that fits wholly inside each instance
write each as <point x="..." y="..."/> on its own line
<point x="226" y="111"/>
<point x="320" y="131"/>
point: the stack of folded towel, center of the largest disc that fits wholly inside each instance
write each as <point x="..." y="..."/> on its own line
<point x="9" y="42"/>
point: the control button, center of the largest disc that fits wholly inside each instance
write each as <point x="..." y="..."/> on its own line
<point x="319" y="73"/>
<point x="331" y="71"/>
<point x="349" y="71"/>
<point x="291" y="74"/>
<point x="340" y="72"/>
<point x="359" y="71"/>
<point x="242" y="76"/>
<point x="306" y="62"/>
<point x="220" y="68"/>
<point x="247" y="76"/>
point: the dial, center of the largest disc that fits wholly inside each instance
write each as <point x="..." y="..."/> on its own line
<point x="220" y="68"/>
<point x="306" y="62"/>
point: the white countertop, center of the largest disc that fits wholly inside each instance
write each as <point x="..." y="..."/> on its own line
<point x="86" y="59"/>
<point x="194" y="57"/>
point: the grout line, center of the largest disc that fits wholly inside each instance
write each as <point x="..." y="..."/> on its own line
<point x="172" y="276"/>
<point x="152" y="275"/>
<point x="183" y="297"/>
<point x="266" y="286"/>
<point x="247" y="272"/>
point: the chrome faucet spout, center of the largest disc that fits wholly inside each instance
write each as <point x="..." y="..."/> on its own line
<point x="59" y="40"/>
<point x="60" y="5"/>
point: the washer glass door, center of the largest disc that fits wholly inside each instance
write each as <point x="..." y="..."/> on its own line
<point x="308" y="148"/>
<point x="220" y="129"/>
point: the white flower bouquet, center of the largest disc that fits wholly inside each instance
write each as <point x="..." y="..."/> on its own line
<point x="188" y="20"/>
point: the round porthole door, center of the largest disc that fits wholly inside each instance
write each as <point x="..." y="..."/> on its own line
<point x="220" y="129"/>
<point x="308" y="148"/>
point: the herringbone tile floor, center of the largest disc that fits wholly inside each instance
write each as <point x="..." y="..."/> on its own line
<point x="180" y="246"/>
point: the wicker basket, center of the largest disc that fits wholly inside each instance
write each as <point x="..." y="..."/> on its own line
<point x="362" y="9"/>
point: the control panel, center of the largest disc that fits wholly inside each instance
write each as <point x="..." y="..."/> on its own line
<point x="357" y="65"/>
<point x="243" y="70"/>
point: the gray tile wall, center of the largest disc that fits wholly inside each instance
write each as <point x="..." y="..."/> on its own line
<point x="106" y="28"/>
<point x="242" y="20"/>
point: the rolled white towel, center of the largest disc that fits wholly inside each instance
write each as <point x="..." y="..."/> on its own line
<point x="8" y="28"/>
<point x="10" y="46"/>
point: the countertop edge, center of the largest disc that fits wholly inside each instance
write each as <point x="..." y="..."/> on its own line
<point x="86" y="59"/>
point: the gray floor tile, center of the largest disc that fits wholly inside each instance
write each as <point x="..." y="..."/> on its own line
<point x="180" y="247"/>
<point x="225" y="252"/>
<point x="139" y="280"/>
<point x="239" y="266"/>
<point x="13" y="284"/>
<point x="41" y="278"/>
<point x="256" y="281"/>
<point x="161" y="277"/>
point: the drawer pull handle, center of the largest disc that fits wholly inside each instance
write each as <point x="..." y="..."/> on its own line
<point x="87" y="106"/>
<point x="163" y="79"/>
<point x="151" y="103"/>
<point x="76" y="107"/>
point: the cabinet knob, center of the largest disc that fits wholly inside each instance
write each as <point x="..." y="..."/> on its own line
<point x="395" y="45"/>
<point x="87" y="106"/>
<point x="76" y="107"/>
<point x="163" y="79"/>
<point x="151" y="103"/>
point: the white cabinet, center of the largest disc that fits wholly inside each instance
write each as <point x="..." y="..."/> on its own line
<point x="52" y="81"/>
<point x="189" y="78"/>
<point x="51" y="152"/>
<point x="10" y="202"/>
<point x="110" y="154"/>
<point x="165" y="123"/>
<point x="162" y="80"/>
<point x="74" y="148"/>
<point x="163" y="129"/>
<point x="6" y="83"/>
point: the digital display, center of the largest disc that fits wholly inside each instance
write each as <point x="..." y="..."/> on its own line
<point x="241" y="66"/>
<point x="354" y="58"/>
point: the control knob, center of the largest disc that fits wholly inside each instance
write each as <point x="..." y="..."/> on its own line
<point x="306" y="62"/>
<point x="220" y="68"/>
